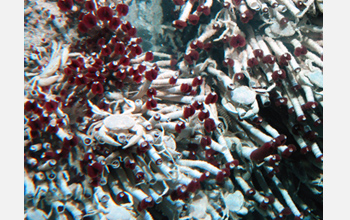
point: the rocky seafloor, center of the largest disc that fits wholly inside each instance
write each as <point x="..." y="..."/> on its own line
<point x="173" y="109"/>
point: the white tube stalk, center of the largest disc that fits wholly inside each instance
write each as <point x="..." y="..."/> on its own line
<point x="208" y="32"/>
<point x="41" y="190"/>
<point x="264" y="7"/>
<point x="277" y="205"/>
<point x="295" y="43"/>
<point x="186" y="10"/>
<point x="262" y="45"/>
<point x="294" y="100"/>
<point x="189" y="171"/>
<point x="247" y="151"/>
<point x="308" y="93"/>
<point x="286" y="196"/>
<point x="48" y="165"/>
<point x="73" y="210"/>
<point x="293" y="63"/>
<point x="63" y="178"/>
<point x="58" y="207"/>
<point x="269" y="129"/>
<point x="254" y="4"/>
<point x="39" y="176"/>
<point x="175" y="115"/>
<point x="259" y="198"/>
<point x="242" y="183"/>
<point x="316" y="150"/>
<point x="217" y="147"/>
<point x="156" y="197"/>
<point x="272" y="3"/>
<point x="153" y="154"/>
<point x="311" y="44"/>
<point x="200" y="164"/>
<point x="227" y="81"/>
<point x="35" y="147"/>
<point x="62" y="134"/>
<point x="291" y="7"/>
<point x="260" y="136"/>
<point x="267" y="70"/>
<point x="317" y="60"/>
<point x="87" y="141"/>
<point x="274" y="46"/>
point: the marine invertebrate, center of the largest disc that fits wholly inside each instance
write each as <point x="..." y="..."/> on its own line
<point x="217" y="123"/>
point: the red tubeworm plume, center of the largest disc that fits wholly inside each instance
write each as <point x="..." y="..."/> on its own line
<point x="151" y="103"/>
<point x="252" y="62"/>
<point x="80" y="79"/>
<point x="114" y="23"/>
<point x="191" y="56"/>
<point x="283" y="21"/>
<point x="124" y="60"/>
<point x="151" y="92"/>
<point x="205" y="141"/>
<point x="193" y="19"/>
<point x="265" y="150"/>
<point x="204" y="114"/>
<point x="97" y="88"/>
<point x="185" y="88"/>
<point x="239" y="76"/>
<point x="105" y="50"/>
<point x="180" y="24"/>
<point x="105" y="13"/>
<point x="141" y="68"/>
<point x="279" y="74"/>
<point x="219" y="177"/>
<point x="172" y="80"/>
<point x="211" y="98"/>
<point x="151" y="74"/>
<point x="204" y="9"/>
<point x="119" y="48"/>
<point x="209" y="125"/>
<point x="122" y="9"/>
<point x="51" y="106"/>
<point x="149" y="56"/>
<point x="198" y="105"/>
<point x="204" y="176"/>
<point x="120" y="74"/>
<point x="228" y="62"/>
<point x="269" y="59"/>
<point x="65" y="5"/>
<point x="90" y="6"/>
<point x="137" y="78"/>
<point x="130" y="163"/>
<point x="258" y="53"/>
<point x="197" y="81"/>
<point x="237" y="41"/>
<point x="179" y="2"/>
<point x="94" y="169"/>
<point x="193" y="186"/>
<point x="30" y="105"/>
<point x="180" y="126"/>
<point x="145" y="203"/>
<point x="82" y="27"/>
<point x="196" y="44"/>
<point x="89" y="20"/>
<point x="189" y="111"/>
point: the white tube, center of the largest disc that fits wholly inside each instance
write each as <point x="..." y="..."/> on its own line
<point x="286" y="196"/>
<point x="199" y="164"/>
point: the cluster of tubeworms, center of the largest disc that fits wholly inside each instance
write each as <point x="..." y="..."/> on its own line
<point x="224" y="122"/>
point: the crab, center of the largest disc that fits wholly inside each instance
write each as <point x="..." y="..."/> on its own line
<point x="234" y="204"/>
<point x="114" y="124"/>
<point x="242" y="100"/>
<point x="312" y="77"/>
